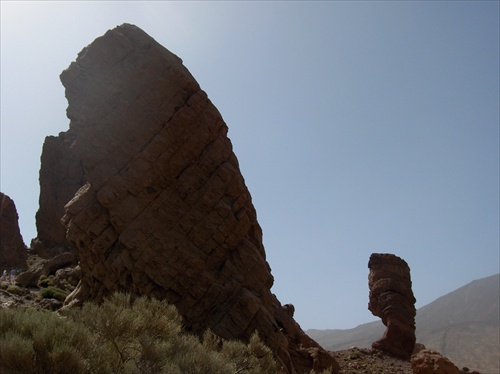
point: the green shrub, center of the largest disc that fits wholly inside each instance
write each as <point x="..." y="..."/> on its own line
<point x="137" y="334"/>
<point x="33" y="341"/>
<point x="140" y="336"/>
<point x="15" y="290"/>
<point x="44" y="281"/>
<point x="53" y="293"/>
<point x="146" y="336"/>
<point x="253" y="357"/>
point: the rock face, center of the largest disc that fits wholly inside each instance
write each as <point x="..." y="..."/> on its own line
<point x="61" y="175"/>
<point x="12" y="248"/>
<point x="165" y="211"/>
<point x="391" y="298"/>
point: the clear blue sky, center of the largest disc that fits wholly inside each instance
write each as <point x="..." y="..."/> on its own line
<point x="360" y="127"/>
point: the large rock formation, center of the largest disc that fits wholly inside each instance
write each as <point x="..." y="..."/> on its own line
<point x="12" y="248"/>
<point x="391" y="298"/>
<point x="61" y="175"/>
<point x="165" y="211"/>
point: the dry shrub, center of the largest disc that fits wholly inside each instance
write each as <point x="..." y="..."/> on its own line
<point x="33" y="341"/>
<point x="146" y="336"/>
<point x="120" y="336"/>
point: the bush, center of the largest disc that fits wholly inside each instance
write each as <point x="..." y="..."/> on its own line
<point x="16" y="290"/>
<point x="33" y="341"/>
<point x="53" y="293"/>
<point x="141" y="336"/>
<point x="146" y="336"/>
<point x="254" y="357"/>
<point x="44" y="281"/>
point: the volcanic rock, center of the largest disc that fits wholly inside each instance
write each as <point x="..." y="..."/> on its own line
<point x="41" y="266"/>
<point x="61" y="175"/>
<point x="12" y="248"/>
<point x="431" y="362"/>
<point x="164" y="210"/>
<point x="391" y="298"/>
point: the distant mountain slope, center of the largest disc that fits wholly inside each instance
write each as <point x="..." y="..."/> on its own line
<point x="476" y="301"/>
<point x="463" y="325"/>
<point x="362" y="336"/>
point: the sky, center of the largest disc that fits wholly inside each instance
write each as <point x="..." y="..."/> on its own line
<point x="359" y="127"/>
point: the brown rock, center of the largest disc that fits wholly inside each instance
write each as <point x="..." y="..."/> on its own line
<point x="432" y="362"/>
<point x="50" y="304"/>
<point x="30" y="277"/>
<point x="61" y="175"/>
<point x="12" y="248"/>
<point x="391" y="298"/>
<point x="165" y="211"/>
<point x="68" y="275"/>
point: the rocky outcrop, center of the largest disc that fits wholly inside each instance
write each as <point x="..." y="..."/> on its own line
<point x="165" y="211"/>
<point x="431" y="362"/>
<point x="61" y="175"/>
<point x="391" y="298"/>
<point x="40" y="266"/>
<point x="12" y="248"/>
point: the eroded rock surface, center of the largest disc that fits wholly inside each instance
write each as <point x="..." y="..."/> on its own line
<point x="40" y="266"/>
<point x="12" y="248"/>
<point x="431" y="362"/>
<point x="391" y="299"/>
<point x="165" y="211"/>
<point x="61" y="175"/>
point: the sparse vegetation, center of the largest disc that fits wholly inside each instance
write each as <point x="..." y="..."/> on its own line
<point x="33" y="341"/>
<point x="15" y="290"/>
<point x="44" y="281"/>
<point x="120" y="336"/>
<point x="53" y="293"/>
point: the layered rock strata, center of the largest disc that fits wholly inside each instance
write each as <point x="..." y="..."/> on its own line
<point x="12" y="248"/>
<point x="165" y="211"/>
<point x="391" y="299"/>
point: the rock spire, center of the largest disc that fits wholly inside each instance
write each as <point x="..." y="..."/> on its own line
<point x="391" y="298"/>
<point x="163" y="209"/>
<point x="13" y="252"/>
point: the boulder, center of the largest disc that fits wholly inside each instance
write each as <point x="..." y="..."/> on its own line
<point x="431" y="362"/>
<point x="40" y="266"/>
<point x="391" y="299"/>
<point x="13" y="252"/>
<point x="164" y="210"/>
<point x="68" y="275"/>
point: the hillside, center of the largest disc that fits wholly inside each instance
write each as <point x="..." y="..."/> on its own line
<point x="463" y="325"/>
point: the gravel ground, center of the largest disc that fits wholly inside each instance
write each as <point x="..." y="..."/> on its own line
<point x="369" y="361"/>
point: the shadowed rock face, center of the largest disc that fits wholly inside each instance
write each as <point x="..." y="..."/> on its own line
<point x="165" y="211"/>
<point x="391" y="298"/>
<point x="12" y="248"/>
<point x="61" y="175"/>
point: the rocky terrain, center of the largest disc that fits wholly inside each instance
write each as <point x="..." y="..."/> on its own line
<point x="143" y="194"/>
<point x="463" y="325"/>
<point x="351" y="361"/>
